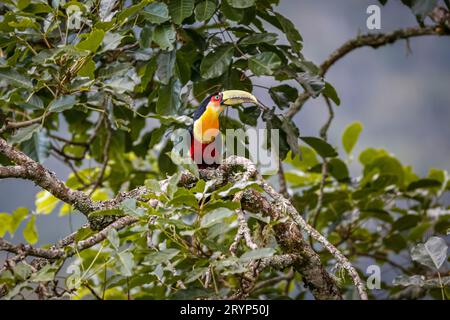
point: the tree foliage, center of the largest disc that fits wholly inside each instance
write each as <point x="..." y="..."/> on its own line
<point x="111" y="89"/>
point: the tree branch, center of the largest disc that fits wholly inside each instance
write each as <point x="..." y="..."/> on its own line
<point x="31" y="170"/>
<point x="377" y="40"/>
<point x="368" y="40"/>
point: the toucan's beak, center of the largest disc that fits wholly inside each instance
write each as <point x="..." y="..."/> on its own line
<point x="233" y="97"/>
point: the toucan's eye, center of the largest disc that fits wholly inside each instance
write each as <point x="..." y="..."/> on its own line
<point x="217" y="98"/>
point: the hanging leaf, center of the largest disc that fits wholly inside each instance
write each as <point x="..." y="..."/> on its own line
<point x="330" y="92"/>
<point x="61" y="104"/>
<point x="215" y="216"/>
<point x="291" y="32"/>
<point x="180" y="10"/>
<point x="23" y="134"/>
<point x="30" y="232"/>
<point x="241" y="4"/>
<point x="204" y="10"/>
<point x="351" y="135"/>
<point x="17" y="217"/>
<point x="38" y="147"/>
<point x="322" y="147"/>
<point x="92" y="42"/>
<point x="162" y="256"/>
<point x="156" y="12"/>
<point x="169" y="98"/>
<point x="216" y="62"/>
<point x="432" y="253"/>
<point x="166" y="66"/>
<point x="164" y="36"/>
<point x="257" y="38"/>
<point x="113" y="238"/>
<point x="264" y="63"/>
<point x="283" y="95"/>
<point x="257" y="254"/>
<point x="126" y="263"/>
<point x="16" y="79"/>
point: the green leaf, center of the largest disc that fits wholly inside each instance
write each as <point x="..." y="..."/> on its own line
<point x="230" y="12"/>
<point x="424" y="184"/>
<point x="30" y="232"/>
<point x="38" y="147"/>
<point x="83" y="233"/>
<point x="92" y="42"/>
<point x="87" y="70"/>
<point x="395" y="242"/>
<point x="432" y="253"/>
<point x="16" y="79"/>
<point x="113" y="238"/>
<point x="180" y="9"/>
<point x="23" y="134"/>
<point x="264" y="63"/>
<point x="164" y="36"/>
<point x="216" y="62"/>
<point x="241" y="4"/>
<point x="162" y="256"/>
<point x="257" y="38"/>
<point x="132" y="10"/>
<point x="323" y="148"/>
<point x="17" y="217"/>
<point x="129" y="207"/>
<point x="172" y="187"/>
<point x="45" y="202"/>
<point x="291" y="32"/>
<point x="283" y="95"/>
<point x="307" y="160"/>
<point x="257" y="254"/>
<point x="22" y="271"/>
<point x="61" y="104"/>
<point x="250" y="115"/>
<point x="215" y="216"/>
<point x="195" y="274"/>
<point x="156" y="12"/>
<point x="330" y="92"/>
<point x="169" y="98"/>
<point x="204" y="10"/>
<point x="233" y="188"/>
<point x="370" y="154"/>
<point x="376" y="213"/>
<point x="166" y="66"/>
<point x="5" y="223"/>
<point x="47" y="273"/>
<point x="338" y="170"/>
<point x="351" y="135"/>
<point x="111" y="41"/>
<point x="126" y="263"/>
<point x="387" y="166"/>
<point x="406" y="222"/>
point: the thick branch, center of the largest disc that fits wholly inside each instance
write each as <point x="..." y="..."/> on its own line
<point x="368" y="40"/>
<point x="377" y="40"/>
<point x="31" y="170"/>
<point x="67" y="249"/>
<point x="306" y="261"/>
<point x="287" y="207"/>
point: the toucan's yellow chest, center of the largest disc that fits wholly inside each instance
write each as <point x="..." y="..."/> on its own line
<point x="206" y="128"/>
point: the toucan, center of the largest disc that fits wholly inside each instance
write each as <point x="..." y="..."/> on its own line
<point x="206" y="126"/>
